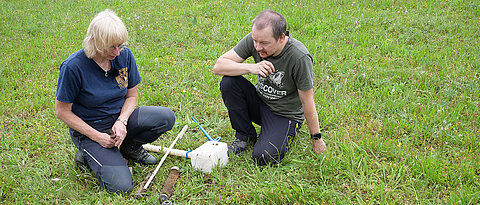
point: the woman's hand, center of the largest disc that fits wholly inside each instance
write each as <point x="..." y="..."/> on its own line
<point x="120" y="131"/>
<point x="105" y="140"/>
<point x="64" y="112"/>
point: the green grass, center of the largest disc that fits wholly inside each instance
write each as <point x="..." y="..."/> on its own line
<point x="396" y="88"/>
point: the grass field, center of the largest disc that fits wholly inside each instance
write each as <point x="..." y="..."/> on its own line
<point x="396" y="88"/>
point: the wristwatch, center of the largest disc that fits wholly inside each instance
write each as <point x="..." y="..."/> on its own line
<point x="316" y="136"/>
<point x="123" y="121"/>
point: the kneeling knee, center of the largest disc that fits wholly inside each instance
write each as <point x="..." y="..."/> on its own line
<point x="120" y="187"/>
<point x="265" y="158"/>
<point x="169" y="119"/>
<point x="116" y="179"/>
<point x="166" y="122"/>
<point x="227" y="83"/>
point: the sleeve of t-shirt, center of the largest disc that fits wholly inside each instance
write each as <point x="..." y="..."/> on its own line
<point x="244" y="47"/>
<point x="303" y="73"/>
<point x="133" y="75"/>
<point x="69" y="84"/>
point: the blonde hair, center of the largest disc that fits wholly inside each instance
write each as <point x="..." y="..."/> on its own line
<point x="105" y="30"/>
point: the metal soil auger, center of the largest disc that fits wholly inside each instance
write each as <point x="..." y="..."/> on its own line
<point x="169" y="186"/>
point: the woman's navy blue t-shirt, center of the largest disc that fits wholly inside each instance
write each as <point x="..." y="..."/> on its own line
<point x="96" y="95"/>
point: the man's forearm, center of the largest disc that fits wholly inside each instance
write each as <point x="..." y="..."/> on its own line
<point x="312" y="120"/>
<point x="318" y="145"/>
<point x="229" y="67"/>
<point x="310" y="112"/>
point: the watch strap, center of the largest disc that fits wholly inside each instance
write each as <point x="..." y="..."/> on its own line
<point x="316" y="136"/>
<point x="124" y="122"/>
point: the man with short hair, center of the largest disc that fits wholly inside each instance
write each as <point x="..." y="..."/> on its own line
<point x="283" y="96"/>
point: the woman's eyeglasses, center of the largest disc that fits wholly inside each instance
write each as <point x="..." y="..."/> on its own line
<point x="120" y="47"/>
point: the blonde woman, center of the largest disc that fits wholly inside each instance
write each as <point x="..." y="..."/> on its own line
<point x="97" y="98"/>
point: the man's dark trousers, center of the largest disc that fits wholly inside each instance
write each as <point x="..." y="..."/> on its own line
<point x="244" y="107"/>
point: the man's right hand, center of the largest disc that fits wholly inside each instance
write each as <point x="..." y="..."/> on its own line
<point x="263" y="68"/>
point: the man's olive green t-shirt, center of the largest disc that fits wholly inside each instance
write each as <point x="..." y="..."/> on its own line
<point x="293" y="71"/>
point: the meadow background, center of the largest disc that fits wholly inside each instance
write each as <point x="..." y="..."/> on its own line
<point x="396" y="89"/>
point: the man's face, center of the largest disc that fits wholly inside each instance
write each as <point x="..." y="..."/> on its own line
<point x="265" y="43"/>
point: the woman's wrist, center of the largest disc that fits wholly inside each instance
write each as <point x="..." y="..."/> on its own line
<point x="123" y="121"/>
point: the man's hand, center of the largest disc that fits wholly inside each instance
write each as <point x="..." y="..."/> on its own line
<point x="263" y="68"/>
<point x="319" y="146"/>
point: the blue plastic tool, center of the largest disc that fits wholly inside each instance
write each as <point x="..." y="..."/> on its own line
<point x="205" y="132"/>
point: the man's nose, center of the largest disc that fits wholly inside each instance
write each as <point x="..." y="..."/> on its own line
<point x="258" y="47"/>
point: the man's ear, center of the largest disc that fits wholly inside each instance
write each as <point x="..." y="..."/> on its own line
<point x="282" y="37"/>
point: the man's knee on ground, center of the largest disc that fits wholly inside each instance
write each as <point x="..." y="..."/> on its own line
<point x="265" y="157"/>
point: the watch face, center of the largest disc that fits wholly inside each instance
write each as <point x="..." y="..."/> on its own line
<point x="124" y="122"/>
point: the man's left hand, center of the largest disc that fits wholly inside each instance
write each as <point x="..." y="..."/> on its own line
<point x="319" y="146"/>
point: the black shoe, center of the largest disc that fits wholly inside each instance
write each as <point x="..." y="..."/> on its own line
<point x="80" y="163"/>
<point x="237" y="147"/>
<point x="137" y="153"/>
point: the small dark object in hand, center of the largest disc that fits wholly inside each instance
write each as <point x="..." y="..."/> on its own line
<point x="111" y="133"/>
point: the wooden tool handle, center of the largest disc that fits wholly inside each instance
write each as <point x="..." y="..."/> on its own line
<point x="154" y="148"/>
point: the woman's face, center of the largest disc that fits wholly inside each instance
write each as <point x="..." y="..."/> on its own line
<point x="113" y="51"/>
